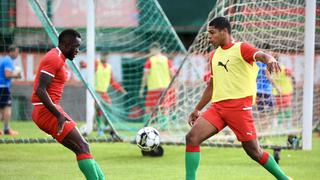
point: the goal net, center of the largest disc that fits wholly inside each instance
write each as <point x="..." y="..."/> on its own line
<point x="124" y="31"/>
<point x="276" y="27"/>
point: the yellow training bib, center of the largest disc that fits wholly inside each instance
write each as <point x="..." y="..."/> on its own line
<point x="233" y="77"/>
<point x="159" y="75"/>
<point x="102" y="77"/>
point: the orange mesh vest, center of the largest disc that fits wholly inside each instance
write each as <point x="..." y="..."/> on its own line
<point x="159" y="75"/>
<point x="233" y="77"/>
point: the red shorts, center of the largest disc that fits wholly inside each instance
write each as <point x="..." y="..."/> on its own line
<point x="47" y="122"/>
<point x="284" y="101"/>
<point x="239" y="118"/>
<point x="153" y="96"/>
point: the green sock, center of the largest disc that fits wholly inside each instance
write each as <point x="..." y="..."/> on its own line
<point x="99" y="120"/>
<point x="192" y="161"/>
<point x="88" y="168"/>
<point x="99" y="171"/>
<point x="280" y="117"/>
<point x="288" y="113"/>
<point x="272" y="166"/>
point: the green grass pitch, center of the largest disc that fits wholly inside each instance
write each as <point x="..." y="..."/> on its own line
<point x="123" y="161"/>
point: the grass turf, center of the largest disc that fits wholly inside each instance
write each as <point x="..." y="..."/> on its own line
<point x="123" y="161"/>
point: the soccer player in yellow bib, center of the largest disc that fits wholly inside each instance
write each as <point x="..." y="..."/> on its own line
<point x="284" y="98"/>
<point x="158" y="72"/>
<point x="103" y="79"/>
<point x="231" y="90"/>
<point x="265" y="100"/>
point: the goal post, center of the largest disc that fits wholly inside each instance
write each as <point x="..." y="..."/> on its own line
<point x="53" y="34"/>
<point x="309" y="51"/>
<point x="125" y="42"/>
<point x="123" y="33"/>
<point x="281" y="29"/>
<point x="91" y="59"/>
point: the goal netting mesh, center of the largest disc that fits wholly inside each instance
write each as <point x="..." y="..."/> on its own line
<point x="124" y="31"/>
<point x="276" y="27"/>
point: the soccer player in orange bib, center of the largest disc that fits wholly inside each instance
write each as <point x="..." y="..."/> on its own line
<point x="231" y="89"/>
<point x="49" y="115"/>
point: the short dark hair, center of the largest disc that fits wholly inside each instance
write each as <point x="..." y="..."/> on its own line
<point x="221" y="23"/>
<point x="155" y="45"/>
<point x="12" y="48"/>
<point x="67" y="34"/>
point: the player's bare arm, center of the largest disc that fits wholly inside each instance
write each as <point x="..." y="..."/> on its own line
<point x="116" y="85"/>
<point x="10" y="74"/>
<point x="44" y="82"/>
<point x="205" y="99"/>
<point x="270" y="61"/>
<point x="274" y="84"/>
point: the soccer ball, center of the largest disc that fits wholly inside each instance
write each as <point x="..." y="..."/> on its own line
<point x="17" y="69"/>
<point x="148" y="139"/>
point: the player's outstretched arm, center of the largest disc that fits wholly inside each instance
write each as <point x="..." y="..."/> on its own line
<point x="270" y="61"/>
<point x="11" y="74"/>
<point x="205" y="99"/>
<point x="44" y="82"/>
<point x="117" y="86"/>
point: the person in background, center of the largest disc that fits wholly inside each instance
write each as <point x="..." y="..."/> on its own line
<point x="158" y="72"/>
<point x="265" y="100"/>
<point x="285" y="81"/>
<point x="83" y="67"/>
<point x="103" y="79"/>
<point x="7" y="73"/>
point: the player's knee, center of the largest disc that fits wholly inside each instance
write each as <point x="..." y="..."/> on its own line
<point x="192" y="139"/>
<point x="254" y="153"/>
<point x="7" y="113"/>
<point x="84" y="147"/>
